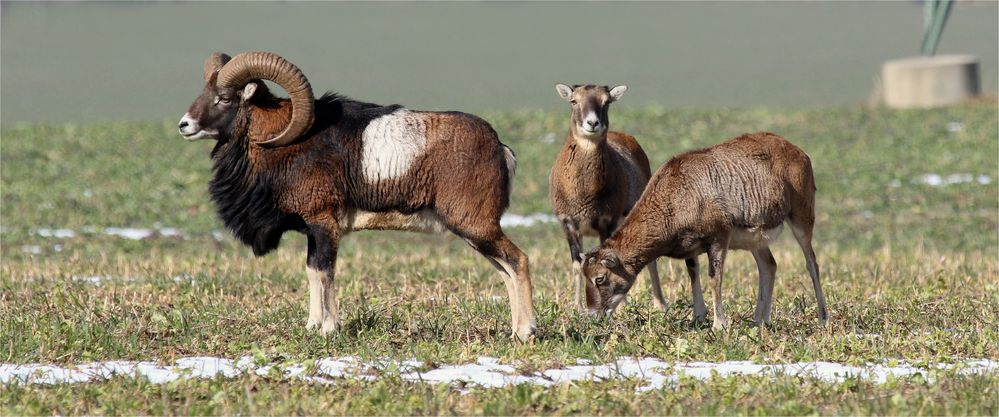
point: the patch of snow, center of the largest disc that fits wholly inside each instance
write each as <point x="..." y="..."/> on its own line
<point x="132" y="233"/>
<point x="516" y="220"/>
<point x="184" y="278"/>
<point x="90" y="279"/>
<point x="193" y="367"/>
<point x="56" y="233"/>
<point x="100" y="279"/>
<point x="128" y="232"/>
<point x="32" y="249"/>
<point x="937" y="180"/>
<point x="170" y="232"/>
<point x="486" y="372"/>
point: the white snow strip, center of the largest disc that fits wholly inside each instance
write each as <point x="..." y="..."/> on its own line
<point x="128" y="232"/>
<point x="101" y="279"/>
<point x="170" y="232"/>
<point x="486" y="372"/>
<point x="56" y="233"/>
<point x="32" y="249"/>
<point x="133" y="233"/>
<point x="516" y="220"/>
<point x="937" y="180"/>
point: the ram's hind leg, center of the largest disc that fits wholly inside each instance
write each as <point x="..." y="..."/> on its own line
<point x="512" y="265"/>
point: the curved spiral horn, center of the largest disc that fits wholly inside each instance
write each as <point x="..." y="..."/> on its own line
<point x="269" y="66"/>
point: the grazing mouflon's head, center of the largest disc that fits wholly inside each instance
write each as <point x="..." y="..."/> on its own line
<point x="607" y="281"/>
<point x="589" y="107"/>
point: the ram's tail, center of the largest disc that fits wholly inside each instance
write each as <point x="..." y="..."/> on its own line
<point x="511" y="163"/>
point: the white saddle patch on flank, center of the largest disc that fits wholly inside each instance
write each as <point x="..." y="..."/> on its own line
<point x="391" y="143"/>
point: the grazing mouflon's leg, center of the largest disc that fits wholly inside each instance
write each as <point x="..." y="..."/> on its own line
<point x="657" y="292"/>
<point x="693" y="270"/>
<point x="767" y="267"/>
<point x="716" y="269"/>
<point x="803" y="234"/>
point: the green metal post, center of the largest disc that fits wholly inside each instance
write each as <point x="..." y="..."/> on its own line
<point x="935" y="16"/>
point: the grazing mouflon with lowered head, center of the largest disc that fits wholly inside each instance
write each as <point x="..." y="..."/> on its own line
<point x="597" y="176"/>
<point x="734" y="195"/>
<point x="331" y="166"/>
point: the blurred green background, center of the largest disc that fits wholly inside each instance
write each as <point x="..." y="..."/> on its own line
<point x="142" y="61"/>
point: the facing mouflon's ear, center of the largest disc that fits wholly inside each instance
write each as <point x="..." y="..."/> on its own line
<point x="248" y="91"/>
<point x="617" y="92"/>
<point x="564" y="91"/>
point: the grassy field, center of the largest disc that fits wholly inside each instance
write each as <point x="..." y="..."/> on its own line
<point x="907" y="237"/>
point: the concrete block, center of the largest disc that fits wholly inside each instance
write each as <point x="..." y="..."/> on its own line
<point x="929" y="81"/>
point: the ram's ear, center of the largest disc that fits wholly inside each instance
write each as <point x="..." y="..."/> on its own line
<point x="617" y="92"/>
<point x="610" y="261"/>
<point x="564" y="91"/>
<point x="248" y="91"/>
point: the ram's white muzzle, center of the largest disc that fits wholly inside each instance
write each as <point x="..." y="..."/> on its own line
<point x="190" y="129"/>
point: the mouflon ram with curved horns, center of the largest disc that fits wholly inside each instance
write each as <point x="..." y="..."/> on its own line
<point x="329" y="166"/>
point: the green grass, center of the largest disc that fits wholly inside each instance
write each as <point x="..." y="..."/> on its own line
<point x="913" y="263"/>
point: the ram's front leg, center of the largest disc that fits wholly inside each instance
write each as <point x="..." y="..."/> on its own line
<point x="323" y="307"/>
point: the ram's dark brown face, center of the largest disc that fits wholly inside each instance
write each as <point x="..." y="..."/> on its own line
<point x="607" y="281"/>
<point x="590" y="104"/>
<point x="212" y="111"/>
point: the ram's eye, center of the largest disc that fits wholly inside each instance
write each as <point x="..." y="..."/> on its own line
<point x="601" y="280"/>
<point x="573" y="102"/>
